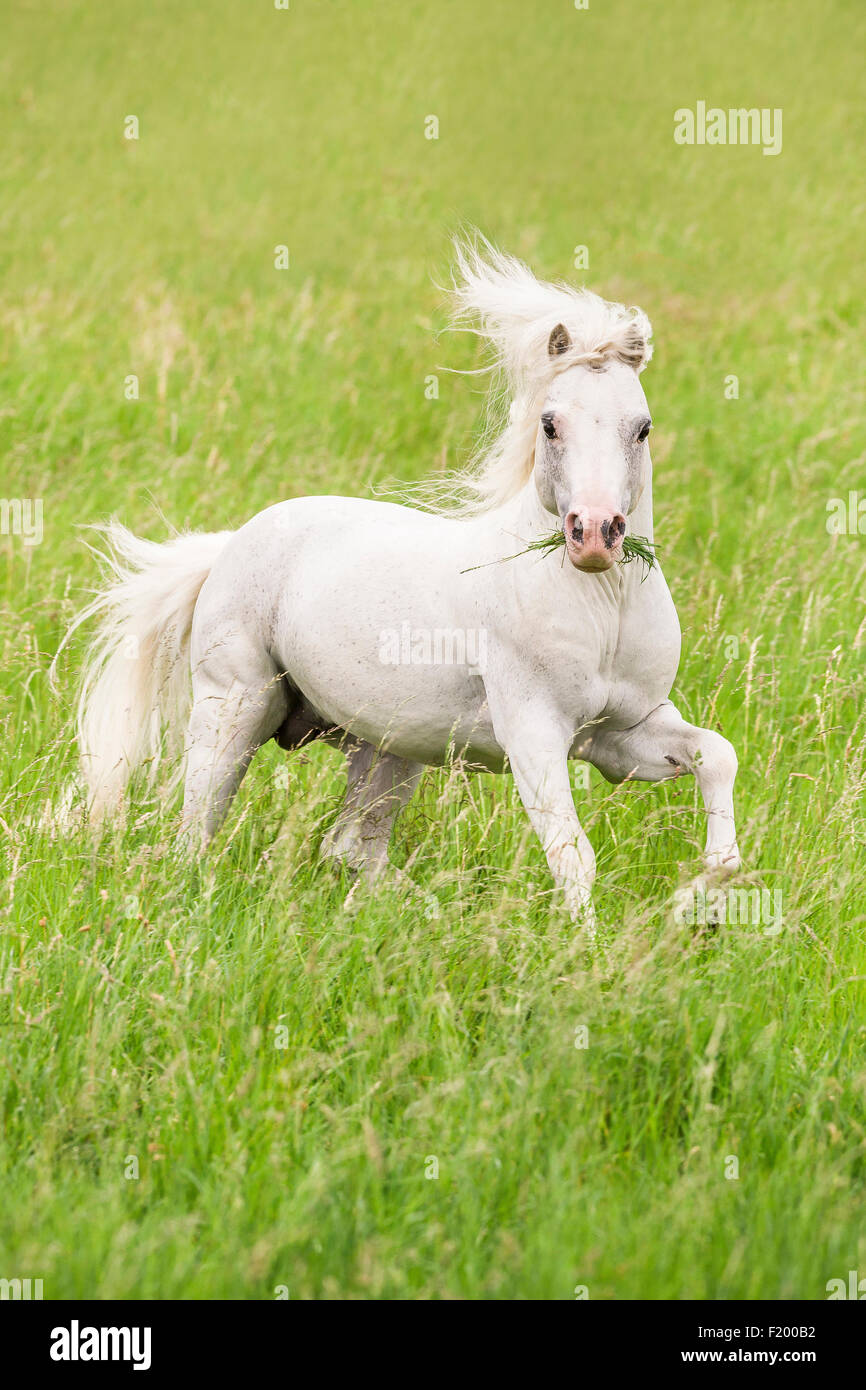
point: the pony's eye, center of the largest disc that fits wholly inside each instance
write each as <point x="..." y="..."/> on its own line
<point x="548" y="426"/>
<point x="643" y="432"/>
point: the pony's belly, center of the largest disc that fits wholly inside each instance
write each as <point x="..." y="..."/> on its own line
<point x="377" y="635"/>
<point x="465" y="742"/>
<point x="427" y="715"/>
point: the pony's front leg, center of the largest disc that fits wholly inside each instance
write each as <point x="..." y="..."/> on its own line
<point x="538" y="755"/>
<point x="663" y="745"/>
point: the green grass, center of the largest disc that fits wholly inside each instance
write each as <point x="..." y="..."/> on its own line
<point x="140" y="998"/>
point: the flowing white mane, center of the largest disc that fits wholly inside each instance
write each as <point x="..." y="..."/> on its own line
<point x="498" y="297"/>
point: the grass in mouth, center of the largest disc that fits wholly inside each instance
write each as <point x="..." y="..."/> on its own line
<point x="633" y="548"/>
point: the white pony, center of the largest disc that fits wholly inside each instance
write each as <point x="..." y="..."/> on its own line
<point x="408" y="636"/>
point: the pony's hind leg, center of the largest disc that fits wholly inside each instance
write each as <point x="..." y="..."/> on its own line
<point x="230" y="720"/>
<point x="379" y="785"/>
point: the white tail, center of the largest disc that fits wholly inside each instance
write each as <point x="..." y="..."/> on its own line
<point x="135" y="691"/>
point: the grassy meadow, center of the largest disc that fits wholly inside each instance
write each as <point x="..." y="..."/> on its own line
<point x="221" y="1080"/>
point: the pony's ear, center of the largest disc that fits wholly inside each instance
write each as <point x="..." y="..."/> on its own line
<point x="559" y="341"/>
<point x="635" y="349"/>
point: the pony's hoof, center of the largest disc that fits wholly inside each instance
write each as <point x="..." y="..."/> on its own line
<point x="582" y="912"/>
<point x="722" y="863"/>
<point x="381" y="875"/>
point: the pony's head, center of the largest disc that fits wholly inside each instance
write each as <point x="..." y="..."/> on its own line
<point x="591" y="452"/>
<point x="578" y="421"/>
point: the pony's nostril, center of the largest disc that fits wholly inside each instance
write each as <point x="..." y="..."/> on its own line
<point x="594" y="533"/>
